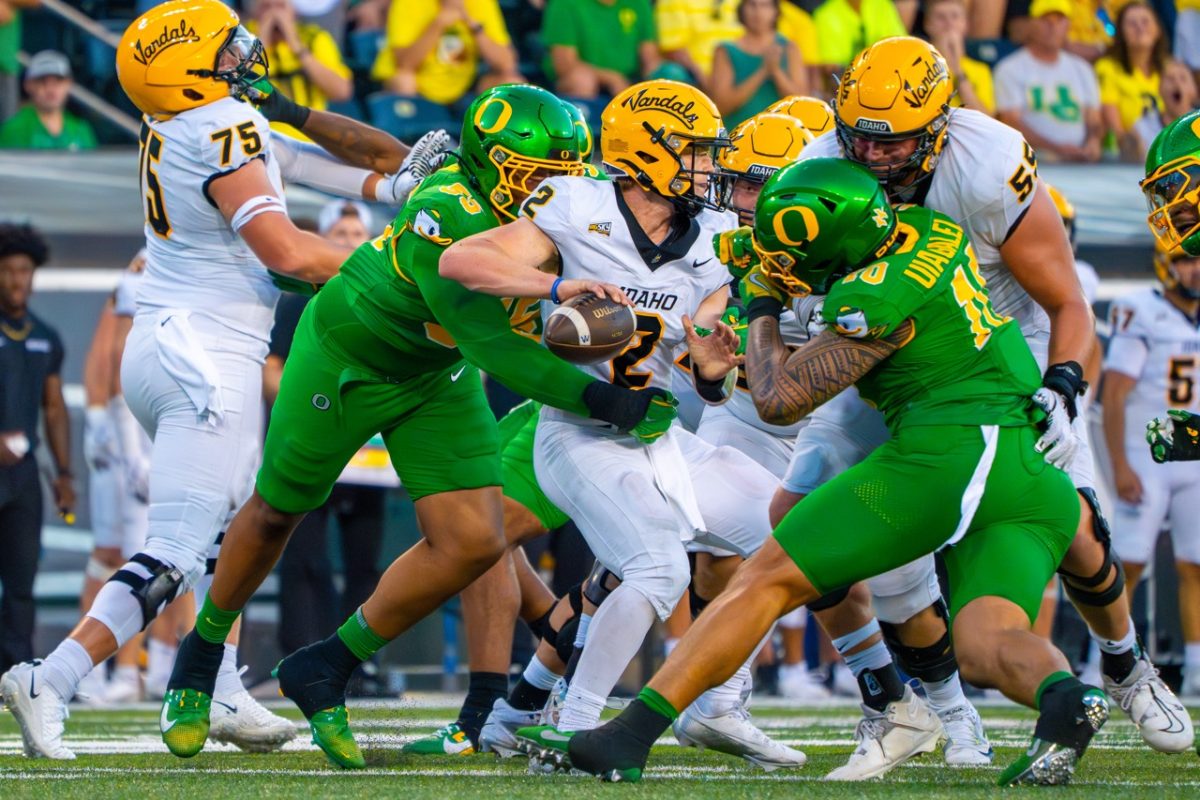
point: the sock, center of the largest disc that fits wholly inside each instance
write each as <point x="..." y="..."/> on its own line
<point x="533" y="689"/>
<point x="659" y="705"/>
<point x="585" y="621"/>
<point x="1191" y="656"/>
<point x="1119" y="657"/>
<point x="229" y="680"/>
<point x="64" y="668"/>
<point x="196" y="664"/>
<point x="126" y="674"/>
<point x="358" y="637"/>
<point x="160" y="656"/>
<point x="1060" y="720"/>
<point x="582" y="709"/>
<point x="944" y="695"/>
<point x="631" y="734"/>
<point x="720" y="699"/>
<point x="213" y="623"/>
<point x="483" y="690"/>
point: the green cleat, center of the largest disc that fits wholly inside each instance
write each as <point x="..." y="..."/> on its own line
<point x="331" y="732"/>
<point x="1052" y="764"/>
<point x="546" y="747"/>
<point x="450" y="740"/>
<point x="184" y="721"/>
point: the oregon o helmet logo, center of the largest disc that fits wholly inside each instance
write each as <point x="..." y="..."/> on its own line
<point x="1196" y="127"/>
<point x="501" y="119"/>
<point x="811" y="226"/>
<point x="320" y="402"/>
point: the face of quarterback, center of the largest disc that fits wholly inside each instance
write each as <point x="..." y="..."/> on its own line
<point x="879" y="155"/>
<point x="699" y="160"/>
<point x="744" y="198"/>
<point x="16" y="283"/>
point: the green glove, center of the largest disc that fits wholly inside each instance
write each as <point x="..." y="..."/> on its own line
<point x="735" y="249"/>
<point x="1175" y="437"/>
<point x="660" y="413"/>
<point x="735" y="317"/>
<point x="275" y="105"/>
<point x="294" y="285"/>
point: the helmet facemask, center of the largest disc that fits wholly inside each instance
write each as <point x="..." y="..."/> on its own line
<point x="897" y="176"/>
<point x="1173" y="196"/>
<point x="241" y="62"/>
<point x="683" y="149"/>
<point x="518" y="175"/>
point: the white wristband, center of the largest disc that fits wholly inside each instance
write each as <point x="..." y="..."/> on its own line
<point x="263" y="204"/>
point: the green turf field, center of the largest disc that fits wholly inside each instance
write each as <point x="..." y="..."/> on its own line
<point x="120" y="756"/>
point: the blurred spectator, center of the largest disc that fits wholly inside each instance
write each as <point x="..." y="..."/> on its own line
<point x="986" y="19"/>
<point x="598" y="46"/>
<point x="1088" y="35"/>
<point x="306" y="63"/>
<point x="690" y="30"/>
<point x="368" y="15"/>
<point x="1187" y="33"/>
<point x="845" y="27"/>
<point x="1048" y="94"/>
<point x="946" y="27"/>
<point x="1180" y="96"/>
<point x="10" y="43"/>
<point x="345" y="222"/>
<point x="45" y="123"/>
<point x="757" y="69"/>
<point x="436" y="48"/>
<point x="31" y="356"/>
<point x="1129" y="74"/>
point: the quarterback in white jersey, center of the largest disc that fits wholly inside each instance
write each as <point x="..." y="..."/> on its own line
<point x="1154" y="357"/>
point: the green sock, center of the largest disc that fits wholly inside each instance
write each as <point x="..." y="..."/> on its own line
<point x="1050" y="680"/>
<point x="212" y="623"/>
<point x="357" y="635"/>
<point x="657" y="703"/>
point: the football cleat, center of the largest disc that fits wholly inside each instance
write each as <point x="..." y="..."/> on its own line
<point x="734" y="734"/>
<point x="499" y="733"/>
<point x="555" y="702"/>
<point x="966" y="743"/>
<point x="1052" y="764"/>
<point x="331" y="732"/>
<point x="450" y="740"/>
<point x="239" y="719"/>
<point x="184" y="721"/>
<point x="308" y="680"/>
<point x="888" y="738"/>
<point x="608" y="752"/>
<point x="40" y="712"/>
<point x="1160" y="718"/>
<point x="546" y="747"/>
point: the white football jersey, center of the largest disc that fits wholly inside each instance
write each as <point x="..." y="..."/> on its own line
<point x="195" y="261"/>
<point x="596" y="242"/>
<point x="1156" y="343"/>
<point x="984" y="180"/>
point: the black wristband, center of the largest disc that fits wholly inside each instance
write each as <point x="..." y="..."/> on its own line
<point x="622" y="408"/>
<point x="763" y="307"/>
<point x="278" y="107"/>
<point x="1066" y="378"/>
<point x="710" y="391"/>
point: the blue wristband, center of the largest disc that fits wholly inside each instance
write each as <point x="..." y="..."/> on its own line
<point x="554" y="290"/>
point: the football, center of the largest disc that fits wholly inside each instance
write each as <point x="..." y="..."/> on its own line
<point x="589" y="328"/>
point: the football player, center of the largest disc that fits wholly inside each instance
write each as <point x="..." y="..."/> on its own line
<point x="650" y="230"/>
<point x="812" y="112"/>
<point x="893" y="116"/>
<point x="391" y="346"/>
<point x="215" y="217"/>
<point x="909" y="320"/>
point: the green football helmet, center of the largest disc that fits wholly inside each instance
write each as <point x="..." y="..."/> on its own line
<point x="514" y="137"/>
<point x="819" y="220"/>
<point x="1172" y="185"/>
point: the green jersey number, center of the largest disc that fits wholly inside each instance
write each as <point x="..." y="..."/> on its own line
<point x="967" y="285"/>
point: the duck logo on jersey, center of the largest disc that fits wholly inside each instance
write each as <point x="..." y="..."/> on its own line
<point x="852" y="322"/>
<point x="170" y="36"/>
<point x="427" y="226"/>
<point x="602" y="228"/>
<point x="642" y="101"/>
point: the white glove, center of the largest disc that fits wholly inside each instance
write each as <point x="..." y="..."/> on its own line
<point x="100" y="447"/>
<point x="1059" y="442"/>
<point x="423" y="159"/>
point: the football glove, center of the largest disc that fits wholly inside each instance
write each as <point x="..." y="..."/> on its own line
<point x="1175" y="437"/>
<point x="1059" y="442"/>
<point x="425" y="157"/>
<point x="1066" y="379"/>
<point x="761" y="295"/>
<point x="660" y="413"/>
<point x="645" y="414"/>
<point x="275" y="105"/>
<point x="100" y="447"/>
<point x="735" y="249"/>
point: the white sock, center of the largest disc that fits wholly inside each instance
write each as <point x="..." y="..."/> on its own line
<point x="614" y="636"/>
<point x="160" y="659"/>
<point x="538" y="675"/>
<point x="720" y="699"/>
<point x="126" y="674"/>
<point x="1191" y="656"/>
<point x="945" y="695"/>
<point x="228" y="680"/>
<point x="1116" y="646"/>
<point x="64" y="668"/>
<point x="877" y="656"/>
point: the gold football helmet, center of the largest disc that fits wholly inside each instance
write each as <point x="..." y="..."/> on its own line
<point x="896" y="89"/>
<point x="813" y="112"/>
<point x="1164" y="269"/>
<point x="760" y="147"/>
<point x="184" y="54"/>
<point x="666" y="136"/>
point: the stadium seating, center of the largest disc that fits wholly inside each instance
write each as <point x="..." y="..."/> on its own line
<point x="405" y="117"/>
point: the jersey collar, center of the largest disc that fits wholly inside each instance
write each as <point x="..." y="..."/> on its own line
<point x="683" y="234"/>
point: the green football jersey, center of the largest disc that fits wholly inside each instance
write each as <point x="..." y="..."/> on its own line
<point x="393" y="287"/>
<point x="966" y="364"/>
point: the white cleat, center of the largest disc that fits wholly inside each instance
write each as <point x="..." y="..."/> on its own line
<point x="39" y="711"/>
<point x="886" y="739"/>
<point x="1155" y="710"/>
<point x="554" y="703"/>
<point x="734" y="733"/>
<point x="966" y="743"/>
<point x="498" y="734"/>
<point x="797" y="683"/>
<point x="241" y="720"/>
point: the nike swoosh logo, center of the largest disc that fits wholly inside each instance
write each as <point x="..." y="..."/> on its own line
<point x="454" y="378"/>
<point x="555" y="736"/>
<point x="164" y="724"/>
<point x="33" y="693"/>
<point x="232" y="709"/>
<point x="697" y="264"/>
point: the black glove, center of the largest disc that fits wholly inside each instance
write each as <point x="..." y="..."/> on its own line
<point x="276" y="106"/>
<point x="1067" y="380"/>
<point x="623" y="408"/>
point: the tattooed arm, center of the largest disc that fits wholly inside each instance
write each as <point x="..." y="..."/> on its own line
<point x="355" y="143"/>
<point x="787" y="385"/>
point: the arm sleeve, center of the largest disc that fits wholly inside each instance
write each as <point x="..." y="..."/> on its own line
<point x="310" y="165"/>
<point x="1128" y="348"/>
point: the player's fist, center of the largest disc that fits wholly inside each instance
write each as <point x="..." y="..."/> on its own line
<point x="660" y="412"/>
<point x="644" y="414"/>
<point x="1175" y="437"/>
<point x="1059" y="442"/>
<point x="735" y="249"/>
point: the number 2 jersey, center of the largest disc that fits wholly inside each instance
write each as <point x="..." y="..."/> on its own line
<point x="195" y="260"/>
<point x="1159" y="346"/>
<point x="598" y="239"/>
<point x="966" y="364"/>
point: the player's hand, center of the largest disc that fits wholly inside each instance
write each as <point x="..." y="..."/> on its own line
<point x="736" y="251"/>
<point x="569" y="288"/>
<point x="714" y="353"/>
<point x="275" y="105"/>
<point x="757" y="286"/>
<point x="660" y="412"/>
<point x="1175" y="437"/>
<point x="64" y="495"/>
<point x="100" y="448"/>
<point x="423" y="159"/>
<point x="1059" y="443"/>
<point x="1128" y="484"/>
<point x="735" y="318"/>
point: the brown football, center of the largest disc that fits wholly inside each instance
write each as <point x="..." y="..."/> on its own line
<point x="589" y="328"/>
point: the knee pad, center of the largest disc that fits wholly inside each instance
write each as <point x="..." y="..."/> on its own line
<point x="563" y="640"/>
<point x="1082" y="589"/>
<point x="152" y="583"/>
<point x="599" y="584"/>
<point x="829" y="600"/>
<point x="935" y="662"/>
<point x="97" y="570"/>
